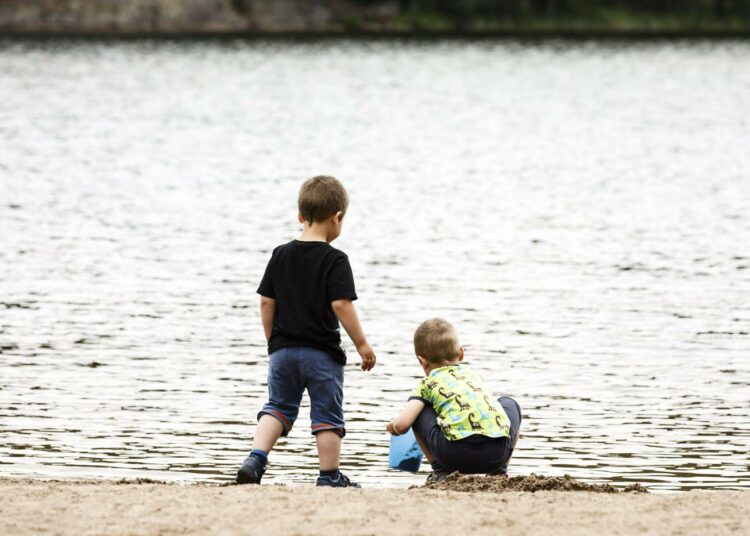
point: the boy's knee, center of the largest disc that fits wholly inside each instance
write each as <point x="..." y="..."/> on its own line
<point x="506" y="401"/>
<point x="286" y="420"/>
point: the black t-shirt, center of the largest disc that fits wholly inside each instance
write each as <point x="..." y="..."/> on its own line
<point x="304" y="278"/>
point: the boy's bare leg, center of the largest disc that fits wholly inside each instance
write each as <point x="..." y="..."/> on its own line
<point x="329" y="449"/>
<point x="267" y="432"/>
<point x="423" y="446"/>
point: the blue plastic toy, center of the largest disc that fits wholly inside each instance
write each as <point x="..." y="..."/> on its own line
<point x="405" y="454"/>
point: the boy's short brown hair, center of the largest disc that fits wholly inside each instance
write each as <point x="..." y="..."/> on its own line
<point x="321" y="197"/>
<point x="436" y="340"/>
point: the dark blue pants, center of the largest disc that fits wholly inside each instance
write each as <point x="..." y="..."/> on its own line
<point x="290" y="372"/>
<point x="476" y="453"/>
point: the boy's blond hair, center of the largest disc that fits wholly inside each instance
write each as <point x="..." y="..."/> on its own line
<point x="436" y="340"/>
<point x="320" y="197"/>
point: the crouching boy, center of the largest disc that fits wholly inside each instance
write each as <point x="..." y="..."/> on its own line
<point x="458" y="423"/>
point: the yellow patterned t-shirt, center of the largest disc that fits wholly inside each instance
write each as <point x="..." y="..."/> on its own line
<point x="463" y="404"/>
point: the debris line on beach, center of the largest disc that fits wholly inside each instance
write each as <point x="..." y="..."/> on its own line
<point x="532" y="483"/>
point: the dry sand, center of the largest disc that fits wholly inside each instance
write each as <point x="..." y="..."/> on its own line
<point x="36" y="507"/>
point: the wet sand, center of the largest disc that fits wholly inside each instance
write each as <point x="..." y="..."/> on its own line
<point x="34" y="507"/>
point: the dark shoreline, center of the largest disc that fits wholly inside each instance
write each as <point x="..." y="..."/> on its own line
<point x="572" y="35"/>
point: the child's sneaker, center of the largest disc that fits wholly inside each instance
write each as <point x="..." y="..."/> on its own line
<point x="341" y="482"/>
<point x="251" y="471"/>
<point x="436" y="476"/>
<point x="500" y="471"/>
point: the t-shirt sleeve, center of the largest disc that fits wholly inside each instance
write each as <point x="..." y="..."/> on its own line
<point x="421" y="392"/>
<point x="341" y="280"/>
<point x="266" y="284"/>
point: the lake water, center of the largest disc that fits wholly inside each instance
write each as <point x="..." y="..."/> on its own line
<point x="580" y="212"/>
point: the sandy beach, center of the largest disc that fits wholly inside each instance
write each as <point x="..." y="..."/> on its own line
<point x="77" y="507"/>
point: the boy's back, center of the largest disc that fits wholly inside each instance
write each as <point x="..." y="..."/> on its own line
<point x="463" y="403"/>
<point x="304" y="278"/>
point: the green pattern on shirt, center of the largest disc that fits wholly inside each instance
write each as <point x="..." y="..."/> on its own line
<point x="463" y="404"/>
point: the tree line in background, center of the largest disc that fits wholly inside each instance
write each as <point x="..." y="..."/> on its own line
<point x="715" y="9"/>
<point x="616" y="17"/>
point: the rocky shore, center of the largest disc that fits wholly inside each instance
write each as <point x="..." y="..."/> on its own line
<point x="346" y="17"/>
<point x="20" y="17"/>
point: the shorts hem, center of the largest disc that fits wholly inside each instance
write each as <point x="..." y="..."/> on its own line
<point x="322" y="427"/>
<point x="285" y="422"/>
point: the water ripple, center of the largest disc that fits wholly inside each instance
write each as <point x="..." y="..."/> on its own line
<point x="580" y="212"/>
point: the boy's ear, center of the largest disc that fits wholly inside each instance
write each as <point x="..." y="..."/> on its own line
<point x="338" y="217"/>
<point x="300" y="218"/>
<point x="461" y="354"/>
<point x="422" y="360"/>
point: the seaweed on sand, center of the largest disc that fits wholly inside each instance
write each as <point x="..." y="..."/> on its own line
<point x="532" y="483"/>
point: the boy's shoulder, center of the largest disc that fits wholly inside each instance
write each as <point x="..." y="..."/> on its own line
<point x="304" y="256"/>
<point x="454" y="371"/>
<point x="451" y="376"/>
<point x="298" y="245"/>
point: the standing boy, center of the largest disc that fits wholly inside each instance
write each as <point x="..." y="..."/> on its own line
<point x="307" y="289"/>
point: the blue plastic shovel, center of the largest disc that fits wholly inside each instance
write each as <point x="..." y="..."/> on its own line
<point x="405" y="454"/>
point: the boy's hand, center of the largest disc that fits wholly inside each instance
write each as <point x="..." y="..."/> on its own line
<point x="347" y="315"/>
<point x="368" y="356"/>
<point x="391" y="428"/>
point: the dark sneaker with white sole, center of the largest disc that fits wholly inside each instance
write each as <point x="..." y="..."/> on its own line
<point x="436" y="476"/>
<point x="341" y="482"/>
<point x="251" y="471"/>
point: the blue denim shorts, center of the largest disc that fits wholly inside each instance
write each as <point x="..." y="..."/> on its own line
<point x="290" y="372"/>
<point x="476" y="453"/>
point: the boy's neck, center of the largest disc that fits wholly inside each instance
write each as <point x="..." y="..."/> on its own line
<point x="435" y="366"/>
<point x="315" y="232"/>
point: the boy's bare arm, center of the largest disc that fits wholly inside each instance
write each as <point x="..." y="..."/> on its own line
<point x="267" y="311"/>
<point x="347" y="315"/>
<point x="404" y="421"/>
